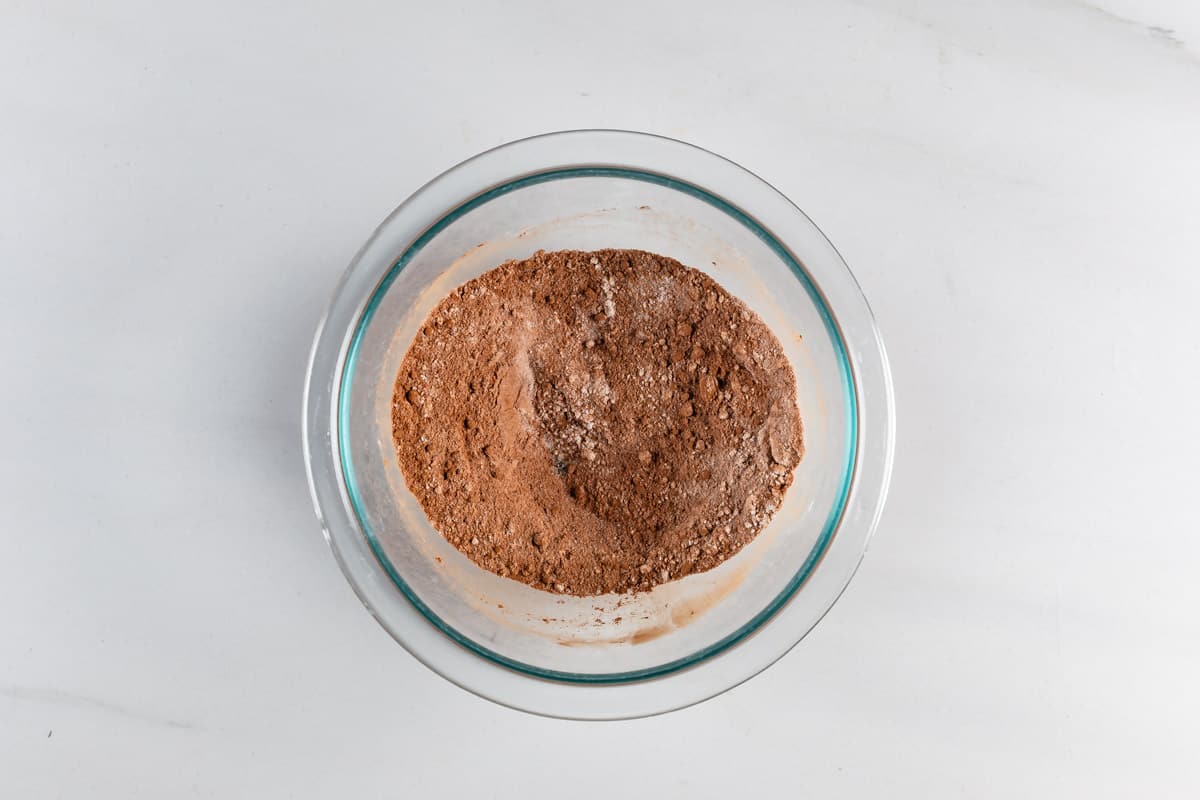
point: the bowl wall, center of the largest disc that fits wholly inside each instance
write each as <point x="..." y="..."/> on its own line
<point x="687" y="640"/>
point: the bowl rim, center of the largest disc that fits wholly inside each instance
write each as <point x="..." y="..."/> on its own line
<point x="472" y="183"/>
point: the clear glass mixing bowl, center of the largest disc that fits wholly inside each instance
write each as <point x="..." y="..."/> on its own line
<point x="611" y="656"/>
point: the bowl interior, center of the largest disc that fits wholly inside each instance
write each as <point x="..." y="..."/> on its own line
<point x="609" y="638"/>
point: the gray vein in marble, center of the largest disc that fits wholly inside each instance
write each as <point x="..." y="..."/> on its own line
<point x="74" y="700"/>
<point x="1166" y="34"/>
<point x="1159" y="33"/>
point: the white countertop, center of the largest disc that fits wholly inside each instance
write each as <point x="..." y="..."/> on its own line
<point x="1016" y="186"/>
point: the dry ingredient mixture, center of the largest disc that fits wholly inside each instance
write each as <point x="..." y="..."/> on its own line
<point x="594" y="422"/>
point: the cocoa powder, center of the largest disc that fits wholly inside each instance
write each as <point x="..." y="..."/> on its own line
<point x="596" y="422"/>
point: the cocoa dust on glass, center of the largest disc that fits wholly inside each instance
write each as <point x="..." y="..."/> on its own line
<point x="595" y="422"/>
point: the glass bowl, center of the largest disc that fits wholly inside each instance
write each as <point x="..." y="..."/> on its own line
<point x="616" y="655"/>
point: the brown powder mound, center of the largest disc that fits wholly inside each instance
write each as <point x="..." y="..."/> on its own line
<point x="596" y="422"/>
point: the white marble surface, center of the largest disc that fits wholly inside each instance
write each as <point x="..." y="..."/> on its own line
<point x="1016" y="185"/>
